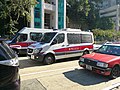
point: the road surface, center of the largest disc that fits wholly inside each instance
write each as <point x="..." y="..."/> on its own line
<point x="63" y="75"/>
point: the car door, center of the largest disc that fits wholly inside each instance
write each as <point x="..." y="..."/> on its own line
<point x="58" y="45"/>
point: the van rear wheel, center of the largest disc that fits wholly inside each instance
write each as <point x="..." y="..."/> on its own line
<point x="49" y="59"/>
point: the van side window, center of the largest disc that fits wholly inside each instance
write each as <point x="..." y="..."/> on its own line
<point x="86" y="38"/>
<point x="35" y="36"/>
<point x="22" y="37"/>
<point x="60" y="38"/>
<point x="74" y="38"/>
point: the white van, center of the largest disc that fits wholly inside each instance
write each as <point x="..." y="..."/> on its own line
<point x="26" y="37"/>
<point x="61" y="44"/>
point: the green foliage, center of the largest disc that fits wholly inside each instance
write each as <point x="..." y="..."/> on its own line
<point x="86" y="14"/>
<point x="77" y="11"/>
<point x="11" y="11"/>
<point x="105" y="23"/>
<point x="106" y="35"/>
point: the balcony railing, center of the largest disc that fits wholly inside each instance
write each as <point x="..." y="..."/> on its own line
<point x="49" y="6"/>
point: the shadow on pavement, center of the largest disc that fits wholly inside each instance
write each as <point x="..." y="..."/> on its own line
<point x="67" y="60"/>
<point x="29" y="63"/>
<point x="85" y="77"/>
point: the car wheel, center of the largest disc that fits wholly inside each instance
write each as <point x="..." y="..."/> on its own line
<point x="85" y="52"/>
<point x="49" y="59"/>
<point x="115" y="72"/>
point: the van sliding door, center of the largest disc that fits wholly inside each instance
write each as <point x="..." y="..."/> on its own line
<point x="73" y="47"/>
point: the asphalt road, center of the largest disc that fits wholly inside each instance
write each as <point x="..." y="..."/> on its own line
<point x="62" y="75"/>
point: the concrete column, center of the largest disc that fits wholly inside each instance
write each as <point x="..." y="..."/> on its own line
<point x="117" y="19"/>
<point x="32" y="18"/>
<point x="64" y="14"/>
<point x="42" y="14"/>
<point x="56" y="15"/>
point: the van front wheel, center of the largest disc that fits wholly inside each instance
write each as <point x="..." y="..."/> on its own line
<point x="48" y="59"/>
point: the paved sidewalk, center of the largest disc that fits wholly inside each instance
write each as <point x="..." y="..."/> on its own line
<point x="32" y="84"/>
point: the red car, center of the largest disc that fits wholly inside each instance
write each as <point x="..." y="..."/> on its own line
<point x="105" y="60"/>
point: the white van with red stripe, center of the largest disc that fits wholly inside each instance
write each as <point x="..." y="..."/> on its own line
<point x="26" y="37"/>
<point x="61" y="44"/>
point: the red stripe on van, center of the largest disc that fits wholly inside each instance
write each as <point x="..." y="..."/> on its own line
<point x="22" y="44"/>
<point x="74" y="48"/>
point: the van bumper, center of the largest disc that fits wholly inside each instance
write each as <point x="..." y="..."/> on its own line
<point x="37" y="57"/>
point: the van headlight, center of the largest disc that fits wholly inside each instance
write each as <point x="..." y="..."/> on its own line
<point x="81" y="59"/>
<point x="101" y="64"/>
<point x="37" y="50"/>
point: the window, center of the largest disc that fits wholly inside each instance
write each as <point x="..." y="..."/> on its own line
<point x="86" y="38"/>
<point x="35" y="36"/>
<point x="2" y="57"/>
<point x="37" y="14"/>
<point x="48" y="37"/>
<point x="74" y="38"/>
<point x="60" y="38"/>
<point x="37" y="23"/>
<point x="21" y="37"/>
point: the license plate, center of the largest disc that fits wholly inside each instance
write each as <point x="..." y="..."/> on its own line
<point x="32" y="57"/>
<point x="88" y="67"/>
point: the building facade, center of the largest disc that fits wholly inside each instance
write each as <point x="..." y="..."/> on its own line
<point x="111" y="8"/>
<point x="49" y="14"/>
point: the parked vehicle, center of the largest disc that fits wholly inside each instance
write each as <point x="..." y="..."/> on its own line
<point x="61" y="44"/>
<point x="9" y="68"/>
<point x="105" y="60"/>
<point x="26" y="37"/>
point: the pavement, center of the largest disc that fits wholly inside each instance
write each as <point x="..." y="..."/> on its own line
<point x="32" y="84"/>
<point x="61" y="76"/>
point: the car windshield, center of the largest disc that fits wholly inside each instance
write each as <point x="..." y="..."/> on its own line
<point x="6" y="51"/>
<point x="109" y="49"/>
<point x="47" y="37"/>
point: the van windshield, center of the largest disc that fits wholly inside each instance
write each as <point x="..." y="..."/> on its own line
<point x="19" y="38"/>
<point x="47" y="37"/>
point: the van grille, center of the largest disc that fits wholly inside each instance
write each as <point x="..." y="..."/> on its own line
<point x="30" y="50"/>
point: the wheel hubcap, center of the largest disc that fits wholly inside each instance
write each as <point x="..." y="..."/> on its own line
<point x="116" y="72"/>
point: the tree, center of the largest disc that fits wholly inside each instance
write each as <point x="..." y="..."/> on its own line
<point x="105" y="23"/>
<point x="11" y="11"/>
<point x="86" y="14"/>
<point x="77" y="11"/>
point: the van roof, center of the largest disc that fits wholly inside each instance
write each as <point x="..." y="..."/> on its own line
<point x="71" y="31"/>
<point x="26" y="30"/>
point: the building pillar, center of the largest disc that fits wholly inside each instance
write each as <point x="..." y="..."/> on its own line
<point x="64" y="14"/>
<point x="42" y="22"/>
<point x="56" y="15"/>
<point x="32" y="18"/>
<point x="117" y="19"/>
